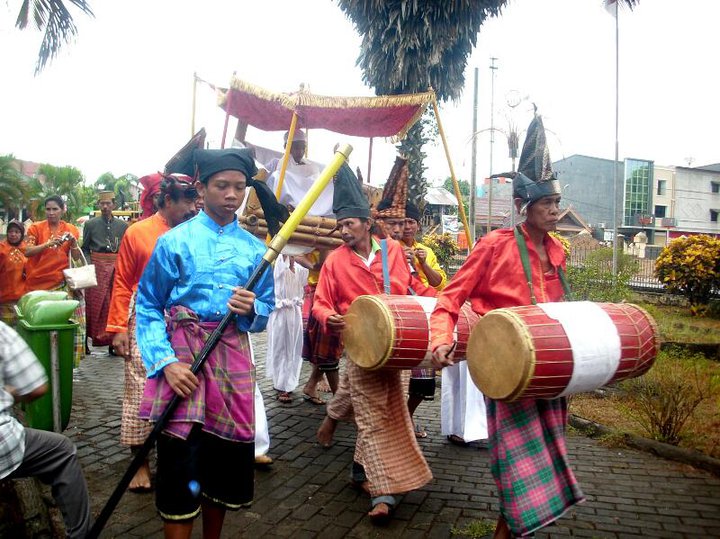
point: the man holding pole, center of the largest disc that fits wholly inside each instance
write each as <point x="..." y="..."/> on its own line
<point x="206" y="452"/>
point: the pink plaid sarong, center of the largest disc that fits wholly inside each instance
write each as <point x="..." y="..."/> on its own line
<point x="528" y="460"/>
<point x="224" y="401"/>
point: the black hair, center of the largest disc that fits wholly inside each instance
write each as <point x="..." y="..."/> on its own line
<point x="57" y="199"/>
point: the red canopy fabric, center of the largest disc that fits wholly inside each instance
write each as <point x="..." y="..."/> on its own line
<point x="381" y="116"/>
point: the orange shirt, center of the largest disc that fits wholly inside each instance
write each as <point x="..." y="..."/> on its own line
<point x="492" y="277"/>
<point x="12" y="266"/>
<point x="44" y="271"/>
<point x="135" y="250"/>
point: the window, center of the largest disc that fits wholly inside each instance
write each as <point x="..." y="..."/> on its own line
<point x="660" y="211"/>
<point x="714" y="216"/>
<point x="661" y="187"/>
<point x="715" y="187"/>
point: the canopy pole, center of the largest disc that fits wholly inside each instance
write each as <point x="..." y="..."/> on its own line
<point x="370" y="149"/>
<point x="194" y="102"/>
<point x="286" y="157"/>
<point x="227" y="119"/>
<point x="456" y="186"/>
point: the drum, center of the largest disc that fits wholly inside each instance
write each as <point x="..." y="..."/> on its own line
<point x="552" y="350"/>
<point x="393" y="332"/>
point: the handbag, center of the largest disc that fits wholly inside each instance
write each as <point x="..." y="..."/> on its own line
<point x="80" y="277"/>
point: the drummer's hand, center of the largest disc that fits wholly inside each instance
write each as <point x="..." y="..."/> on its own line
<point x="443" y="356"/>
<point x="242" y="302"/>
<point x="121" y="343"/>
<point x="181" y="379"/>
<point x="336" y="323"/>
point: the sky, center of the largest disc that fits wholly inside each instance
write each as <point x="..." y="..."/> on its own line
<point x="119" y="99"/>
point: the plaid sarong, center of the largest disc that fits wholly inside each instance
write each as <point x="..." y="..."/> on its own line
<point x="529" y="462"/>
<point x="133" y="430"/>
<point x="97" y="298"/>
<point x="320" y="348"/>
<point x="223" y="403"/>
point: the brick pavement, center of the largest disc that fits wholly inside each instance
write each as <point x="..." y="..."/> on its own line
<point x="306" y="493"/>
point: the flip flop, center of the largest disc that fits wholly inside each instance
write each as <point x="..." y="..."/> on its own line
<point x="284" y="397"/>
<point x="382" y="518"/>
<point x="313" y="400"/>
<point x="420" y="432"/>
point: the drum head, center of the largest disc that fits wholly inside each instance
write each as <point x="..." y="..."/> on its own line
<point x="369" y="332"/>
<point x="500" y="355"/>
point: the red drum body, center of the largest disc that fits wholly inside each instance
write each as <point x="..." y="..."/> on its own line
<point x="556" y="349"/>
<point x="393" y="332"/>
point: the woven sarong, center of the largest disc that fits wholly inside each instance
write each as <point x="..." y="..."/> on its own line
<point x="133" y="430"/>
<point x="386" y="445"/>
<point x="320" y="347"/>
<point x="223" y="403"/>
<point x="7" y="314"/>
<point x="529" y="462"/>
<point x="97" y="298"/>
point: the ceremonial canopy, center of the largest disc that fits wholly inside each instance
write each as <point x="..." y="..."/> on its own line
<point x="383" y="116"/>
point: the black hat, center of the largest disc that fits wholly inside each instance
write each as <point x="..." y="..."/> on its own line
<point x="182" y="162"/>
<point x="412" y="212"/>
<point x="348" y="198"/>
<point x="209" y="162"/>
<point x="535" y="179"/>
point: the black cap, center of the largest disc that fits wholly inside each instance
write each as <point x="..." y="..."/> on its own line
<point x="183" y="162"/>
<point x="412" y="212"/>
<point x="348" y="198"/>
<point x="535" y="179"/>
<point x="211" y="162"/>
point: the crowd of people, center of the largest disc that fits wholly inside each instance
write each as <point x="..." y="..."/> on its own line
<point x="166" y="282"/>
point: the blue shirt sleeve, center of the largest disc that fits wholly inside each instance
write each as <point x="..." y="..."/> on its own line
<point x="264" y="303"/>
<point x="153" y="293"/>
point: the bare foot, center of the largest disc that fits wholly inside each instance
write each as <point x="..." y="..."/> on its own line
<point x="326" y="431"/>
<point x="323" y="387"/>
<point x="141" y="481"/>
<point x="380" y="514"/>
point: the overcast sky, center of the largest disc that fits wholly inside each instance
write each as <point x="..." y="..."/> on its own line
<point x="119" y="98"/>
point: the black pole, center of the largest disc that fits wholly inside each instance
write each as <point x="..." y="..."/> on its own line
<point x="144" y="450"/>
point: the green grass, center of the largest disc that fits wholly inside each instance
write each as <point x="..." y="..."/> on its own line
<point x="475" y="529"/>
<point x="677" y="324"/>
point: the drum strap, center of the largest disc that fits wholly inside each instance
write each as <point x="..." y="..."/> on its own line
<point x="385" y="269"/>
<point x="525" y="259"/>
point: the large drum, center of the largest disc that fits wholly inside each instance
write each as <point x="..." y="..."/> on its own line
<point x="393" y="332"/>
<point x="555" y="349"/>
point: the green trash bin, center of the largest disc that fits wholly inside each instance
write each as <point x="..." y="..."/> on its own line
<point x="50" y="334"/>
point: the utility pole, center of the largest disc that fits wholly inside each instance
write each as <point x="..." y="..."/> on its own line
<point x="493" y="68"/>
<point x="473" y="162"/>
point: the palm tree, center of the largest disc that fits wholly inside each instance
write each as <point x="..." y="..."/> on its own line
<point x="55" y="19"/>
<point x="14" y="188"/>
<point x="410" y="46"/>
<point x="68" y="182"/>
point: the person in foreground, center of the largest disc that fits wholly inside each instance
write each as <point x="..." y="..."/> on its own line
<point x="387" y="457"/>
<point x="205" y="455"/>
<point x="25" y="452"/>
<point x="527" y="437"/>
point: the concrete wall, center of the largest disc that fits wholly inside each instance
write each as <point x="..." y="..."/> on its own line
<point x="694" y="199"/>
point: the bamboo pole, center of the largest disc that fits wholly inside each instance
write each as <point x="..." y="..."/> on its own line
<point x="456" y="186"/>
<point x="194" y="101"/>
<point x="286" y="157"/>
<point x="309" y="220"/>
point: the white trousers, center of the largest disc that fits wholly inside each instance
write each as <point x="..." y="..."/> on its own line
<point x="462" y="406"/>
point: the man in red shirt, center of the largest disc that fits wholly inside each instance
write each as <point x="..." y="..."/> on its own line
<point x="526" y="437"/>
<point x="388" y="459"/>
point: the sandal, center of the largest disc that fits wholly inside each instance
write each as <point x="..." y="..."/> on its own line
<point x="420" y="432"/>
<point x="456" y="440"/>
<point x="381" y="511"/>
<point x="284" y="397"/>
<point x="313" y="400"/>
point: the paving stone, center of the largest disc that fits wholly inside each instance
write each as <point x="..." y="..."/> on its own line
<point x="306" y="493"/>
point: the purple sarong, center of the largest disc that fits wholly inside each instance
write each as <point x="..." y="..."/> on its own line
<point x="224" y="401"/>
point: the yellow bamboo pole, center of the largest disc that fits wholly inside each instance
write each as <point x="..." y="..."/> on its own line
<point x="194" y="101"/>
<point x="456" y="186"/>
<point x="286" y="157"/>
<point x="283" y="236"/>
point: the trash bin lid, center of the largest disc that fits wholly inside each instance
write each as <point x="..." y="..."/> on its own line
<point x="31" y="298"/>
<point x="51" y="312"/>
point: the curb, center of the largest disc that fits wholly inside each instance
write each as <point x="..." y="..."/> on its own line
<point x="667" y="451"/>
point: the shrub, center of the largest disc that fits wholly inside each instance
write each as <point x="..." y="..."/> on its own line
<point x="593" y="280"/>
<point x="691" y="266"/>
<point x="665" y="398"/>
<point x="444" y="247"/>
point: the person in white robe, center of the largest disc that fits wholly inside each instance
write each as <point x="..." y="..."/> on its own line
<point x="462" y="407"/>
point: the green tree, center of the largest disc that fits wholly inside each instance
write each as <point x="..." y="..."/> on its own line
<point x="14" y="186"/>
<point x="69" y="183"/>
<point x="464" y="191"/>
<point x="593" y="280"/>
<point x="120" y="185"/>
